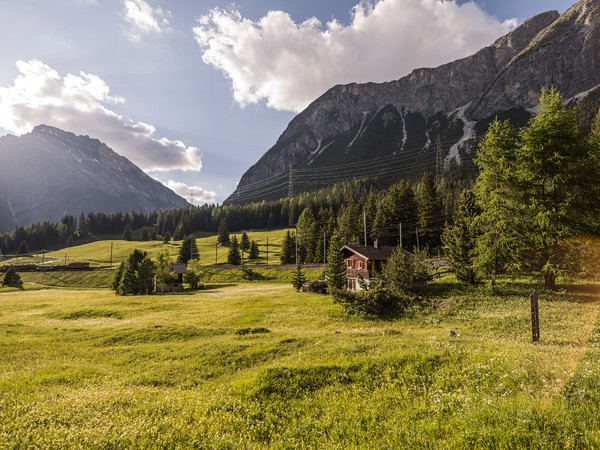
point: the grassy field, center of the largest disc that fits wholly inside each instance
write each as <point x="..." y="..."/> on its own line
<point x="259" y="365"/>
<point x="97" y="253"/>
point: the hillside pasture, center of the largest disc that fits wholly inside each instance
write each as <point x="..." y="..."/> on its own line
<point x="259" y="365"/>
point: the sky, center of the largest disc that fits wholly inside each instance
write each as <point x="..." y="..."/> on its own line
<point x="195" y="92"/>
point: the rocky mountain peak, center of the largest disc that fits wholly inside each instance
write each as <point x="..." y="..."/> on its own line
<point x="351" y="123"/>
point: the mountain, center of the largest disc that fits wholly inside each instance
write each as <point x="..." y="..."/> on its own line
<point x="425" y="120"/>
<point x="48" y="173"/>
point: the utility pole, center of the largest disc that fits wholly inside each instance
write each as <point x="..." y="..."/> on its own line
<point x="439" y="163"/>
<point x="400" y="226"/>
<point x="365" y="225"/>
<point x="418" y="246"/>
<point x="291" y="183"/>
<point x="267" y="251"/>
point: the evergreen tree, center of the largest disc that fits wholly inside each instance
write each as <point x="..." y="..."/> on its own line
<point x="127" y="279"/>
<point x="12" y="278"/>
<point x="117" y="276"/>
<point x="551" y="185"/>
<point x="23" y="248"/>
<point x="167" y="237"/>
<point x="430" y="212"/>
<point x="163" y="277"/>
<point x="223" y="233"/>
<point x="188" y="250"/>
<point x="254" y="251"/>
<point x="460" y="238"/>
<point x="233" y="257"/>
<point x="127" y="233"/>
<point x="298" y="277"/>
<point x="306" y="236"/>
<point x="83" y="227"/>
<point x="398" y="206"/>
<point x="405" y="275"/>
<point x="145" y="234"/>
<point x="145" y="276"/>
<point x="496" y="158"/>
<point x="244" y="242"/>
<point x="335" y="269"/>
<point x="288" y="249"/>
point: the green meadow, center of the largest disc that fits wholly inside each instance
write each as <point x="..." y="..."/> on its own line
<point x="258" y="365"/>
<point x="98" y="252"/>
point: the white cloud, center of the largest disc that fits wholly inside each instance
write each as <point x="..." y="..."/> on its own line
<point x="76" y="103"/>
<point x="289" y="64"/>
<point x="200" y="195"/>
<point x="143" y="18"/>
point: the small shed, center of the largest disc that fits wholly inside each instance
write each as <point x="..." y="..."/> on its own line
<point x="178" y="269"/>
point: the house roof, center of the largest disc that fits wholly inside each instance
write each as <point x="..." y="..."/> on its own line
<point x="177" y="268"/>
<point x="370" y="253"/>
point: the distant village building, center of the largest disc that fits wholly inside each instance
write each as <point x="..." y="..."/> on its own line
<point x="365" y="262"/>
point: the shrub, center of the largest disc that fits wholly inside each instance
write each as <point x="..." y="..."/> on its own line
<point x="12" y="278"/>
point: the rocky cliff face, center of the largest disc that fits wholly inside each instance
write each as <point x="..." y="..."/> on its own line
<point x="48" y="173"/>
<point x="404" y="118"/>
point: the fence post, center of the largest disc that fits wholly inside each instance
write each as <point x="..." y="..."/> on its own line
<point x="535" y="317"/>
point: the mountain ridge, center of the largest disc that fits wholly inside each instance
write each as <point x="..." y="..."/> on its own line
<point x="49" y="172"/>
<point x="448" y="101"/>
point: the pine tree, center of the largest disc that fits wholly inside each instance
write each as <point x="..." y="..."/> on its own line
<point x="145" y="276"/>
<point x="288" y="249"/>
<point x="306" y="236"/>
<point x="12" y="278"/>
<point x="244" y="242"/>
<point x="188" y="250"/>
<point x="127" y="233"/>
<point x="335" y="269"/>
<point x="430" y="213"/>
<point x="167" y="237"/>
<point x="460" y="238"/>
<point x="496" y="158"/>
<point x="23" y="248"/>
<point x="145" y="234"/>
<point x="223" y="233"/>
<point x="254" y="251"/>
<point x="298" y="277"/>
<point x="233" y="257"/>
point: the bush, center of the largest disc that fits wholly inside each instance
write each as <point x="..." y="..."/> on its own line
<point x="12" y="278"/>
<point x="374" y="302"/>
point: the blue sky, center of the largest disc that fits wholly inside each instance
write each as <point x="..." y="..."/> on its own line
<point x="196" y="92"/>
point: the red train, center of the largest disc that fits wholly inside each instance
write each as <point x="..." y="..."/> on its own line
<point x="79" y="265"/>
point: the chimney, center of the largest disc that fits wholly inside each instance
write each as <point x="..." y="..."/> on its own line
<point x="376" y="243"/>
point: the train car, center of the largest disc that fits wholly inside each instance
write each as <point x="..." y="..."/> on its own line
<point x="78" y="265"/>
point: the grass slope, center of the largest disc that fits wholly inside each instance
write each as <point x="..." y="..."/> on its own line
<point x="259" y="365"/>
<point x="97" y="253"/>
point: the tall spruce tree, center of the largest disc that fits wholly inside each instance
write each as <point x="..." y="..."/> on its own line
<point x="496" y="158"/>
<point x="223" y="233"/>
<point x="127" y="233"/>
<point x="244" y="242"/>
<point x="234" y="257"/>
<point x="431" y="213"/>
<point x="460" y="238"/>
<point x="188" y="250"/>
<point x="306" y="236"/>
<point x="288" y="249"/>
